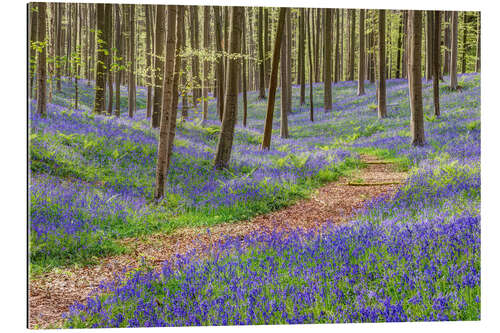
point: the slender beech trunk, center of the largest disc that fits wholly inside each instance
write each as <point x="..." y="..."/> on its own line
<point x="327" y="64"/>
<point x="195" y="63"/>
<point x="447" y="43"/>
<point x="284" y="85"/>
<point x="220" y="62"/>
<point x="399" y="43"/>
<point x="382" y="102"/>
<point x="168" y="80"/>
<point x="361" y="70"/>
<point x="100" y="72"/>
<point x="268" y="127"/>
<point x="149" y="97"/>
<point x="118" y="59"/>
<point x="108" y="14"/>
<point x="225" y="143"/>
<point x="435" y="59"/>
<point x="260" y="44"/>
<point x="159" y="65"/>
<point x="311" y="96"/>
<point x="428" y="45"/>
<point x="415" y="77"/>
<point x="244" y="71"/>
<point x="172" y="118"/>
<point x="206" y="68"/>
<point x="454" y="50"/>
<point x="302" y="56"/>
<point x="464" y="42"/>
<point x="352" y="40"/>
<point x="33" y="38"/>
<point x="131" y="57"/>
<point x="478" y="45"/>
<point x="41" y="75"/>
<point x="336" y="76"/>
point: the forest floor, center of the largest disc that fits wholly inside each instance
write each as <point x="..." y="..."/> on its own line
<point x="51" y="294"/>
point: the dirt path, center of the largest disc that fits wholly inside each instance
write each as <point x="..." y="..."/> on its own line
<point x="52" y="294"/>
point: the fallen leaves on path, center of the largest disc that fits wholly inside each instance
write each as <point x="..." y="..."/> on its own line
<point x="51" y="294"/>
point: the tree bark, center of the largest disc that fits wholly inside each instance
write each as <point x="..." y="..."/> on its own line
<point x="415" y="77"/>
<point x="352" y="40"/>
<point x="311" y="96"/>
<point x="100" y="72"/>
<point x="149" y="97"/>
<point x="382" y="102"/>
<point x="464" y="42"/>
<point x="327" y="62"/>
<point x="336" y="76"/>
<point x="428" y="45"/>
<point x="195" y="46"/>
<point x="260" y="42"/>
<point x="159" y="65"/>
<point x="225" y="143"/>
<point x="41" y="74"/>
<point x="302" y="57"/>
<point x="118" y="60"/>
<point x="268" y="127"/>
<point x="478" y="44"/>
<point x="447" y="43"/>
<point x="206" y="68"/>
<point x="220" y="63"/>
<point x="244" y="70"/>
<point x="361" y="71"/>
<point x="435" y="60"/>
<point x="161" y="166"/>
<point x="131" y="73"/>
<point x="108" y="14"/>
<point x="400" y="41"/>
<point x="454" y="50"/>
<point x="33" y="38"/>
<point x="284" y="84"/>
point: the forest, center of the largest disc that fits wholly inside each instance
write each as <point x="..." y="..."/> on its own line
<point x="219" y="165"/>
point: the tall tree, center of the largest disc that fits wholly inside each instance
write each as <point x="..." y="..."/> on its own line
<point x="33" y="38"/>
<point x="327" y="63"/>
<point x="428" y="45"/>
<point x="149" y="96"/>
<point x="352" y="40"/>
<point x="464" y="42"/>
<point x="41" y="97"/>
<point x="108" y="14"/>
<point x="195" y="46"/>
<point x="382" y="102"/>
<point x="478" y="44"/>
<point x="101" y="70"/>
<point x="172" y="118"/>
<point x="311" y="96"/>
<point x="161" y="166"/>
<point x="435" y="59"/>
<point x="302" y="56"/>
<point x="118" y="59"/>
<point x="206" y="68"/>
<point x="159" y="65"/>
<point x="336" y="76"/>
<point x="415" y="77"/>
<point x="220" y="62"/>
<point x="447" y="43"/>
<point x="361" y="70"/>
<point x="131" y="58"/>
<point x="268" y="127"/>
<point x="399" y="44"/>
<point x="454" y="50"/>
<point x="285" y="79"/>
<point x="225" y="143"/>
<point x="260" y="45"/>
<point x="244" y="70"/>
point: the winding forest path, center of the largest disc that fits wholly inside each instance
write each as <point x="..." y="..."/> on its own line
<point x="51" y="294"/>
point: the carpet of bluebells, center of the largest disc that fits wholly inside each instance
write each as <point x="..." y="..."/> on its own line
<point x="413" y="257"/>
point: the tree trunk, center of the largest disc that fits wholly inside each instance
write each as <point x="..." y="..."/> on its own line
<point x="244" y="70"/>
<point x="382" y="103"/>
<point x="336" y="76"/>
<point x="428" y="46"/>
<point x="159" y="65"/>
<point x="284" y="84"/>
<point x="131" y="56"/>
<point x="41" y="75"/>
<point x="206" y="68"/>
<point x="172" y="118"/>
<point x="268" y="127"/>
<point x="352" y="40"/>
<point x="194" y="29"/>
<point x="224" y="146"/>
<point x="108" y="14"/>
<point x="404" y="69"/>
<point x="311" y="96"/>
<point x="361" y="71"/>
<point x="415" y="77"/>
<point x="400" y="41"/>
<point x="266" y="45"/>
<point x="435" y="59"/>
<point x="302" y="57"/>
<point x="149" y="97"/>
<point x="220" y="62"/>
<point x="478" y="44"/>
<point x="161" y="166"/>
<point x="454" y="50"/>
<point x="118" y="61"/>
<point x="33" y="38"/>
<point x="260" y="42"/>
<point x="464" y="43"/>
<point x="447" y="43"/>
<point x="327" y="62"/>
<point x="100" y="72"/>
